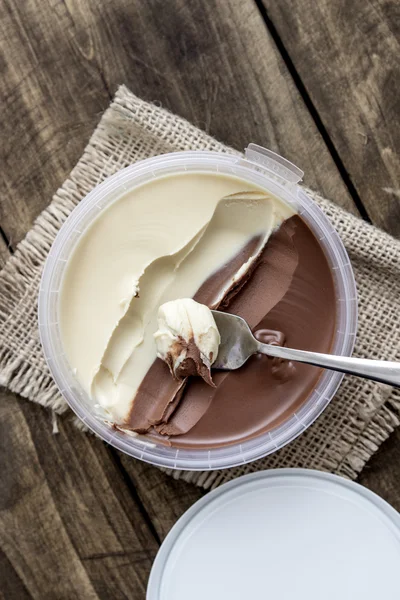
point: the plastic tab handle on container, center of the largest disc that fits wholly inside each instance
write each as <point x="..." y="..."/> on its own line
<point x="274" y="163"/>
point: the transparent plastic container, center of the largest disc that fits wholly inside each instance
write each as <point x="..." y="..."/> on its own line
<point x="263" y="168"/>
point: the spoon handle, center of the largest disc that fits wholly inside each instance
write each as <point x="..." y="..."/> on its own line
<point x="378" y="370"/>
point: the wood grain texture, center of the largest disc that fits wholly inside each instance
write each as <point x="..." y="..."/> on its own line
<point x="68" y="523"/>
<point x="215" y="64"/>
<point x="52" y="98"/>
<point x="164" y="498"/>
<point x="212" y="62"/>
<point x="346" y="54"/>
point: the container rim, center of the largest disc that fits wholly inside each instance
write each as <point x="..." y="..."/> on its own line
<point x="111" y="190"/>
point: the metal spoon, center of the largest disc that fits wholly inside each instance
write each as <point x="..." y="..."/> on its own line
<point x="238" y="344"/>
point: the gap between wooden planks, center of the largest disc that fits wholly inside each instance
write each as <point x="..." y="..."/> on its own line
<point x="345" y="56"/>
<point x="69" y="523"/>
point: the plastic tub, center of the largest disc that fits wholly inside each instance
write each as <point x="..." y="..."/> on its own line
<point x="270" y="172"/>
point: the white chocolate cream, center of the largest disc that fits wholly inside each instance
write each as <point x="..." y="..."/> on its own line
<point x="158" y="242"/>
<point x="183" y="322"/>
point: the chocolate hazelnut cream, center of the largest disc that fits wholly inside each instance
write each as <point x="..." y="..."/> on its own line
<point x="227" y="244"/>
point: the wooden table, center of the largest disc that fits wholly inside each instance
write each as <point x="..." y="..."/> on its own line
<point x="316" y="81"/>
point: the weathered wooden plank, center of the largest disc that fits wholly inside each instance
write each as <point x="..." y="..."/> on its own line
<point x="164" y="498"/>
<point x="69" y="525"/>
<point x="212" y="62"/>
<point x="215" y="64"/>
<point x="346" y="55"/>
<point x="52" y="98"/>
<point x="32" y="534"/>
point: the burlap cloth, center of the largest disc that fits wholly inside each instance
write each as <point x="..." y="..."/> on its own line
<point x="362" y="414"/>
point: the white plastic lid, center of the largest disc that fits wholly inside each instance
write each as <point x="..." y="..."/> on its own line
<point x="283" y="534"/>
